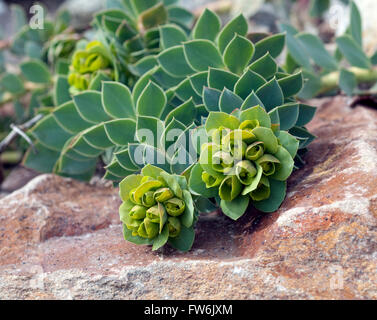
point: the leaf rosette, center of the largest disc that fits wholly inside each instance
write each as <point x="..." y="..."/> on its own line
<point x="245" y="161"/>
<point x="157" y="209"/>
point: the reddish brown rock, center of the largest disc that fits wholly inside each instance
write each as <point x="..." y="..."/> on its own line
<point x="61" y="239"/>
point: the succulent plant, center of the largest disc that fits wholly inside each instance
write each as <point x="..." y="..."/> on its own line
<point x="348" y="69"/>
<point x="246" y="160"/>
<point x="130" y="29"/>
<point x="157" y="208"/>
<point x="110" y="124"/>
<point x="219" y="78"/>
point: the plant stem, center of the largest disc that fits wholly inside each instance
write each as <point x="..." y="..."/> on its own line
<point x="330" y="81"/>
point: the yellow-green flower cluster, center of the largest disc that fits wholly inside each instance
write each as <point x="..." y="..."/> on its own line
<point x="154" y="205"/>
<point x="87" y="63"/>
<point x="243" y="160"/>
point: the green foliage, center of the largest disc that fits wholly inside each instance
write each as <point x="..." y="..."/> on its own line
<point x="348" y="69"/>
<point x="173" y="88"/>
<point x="157" y="208"/>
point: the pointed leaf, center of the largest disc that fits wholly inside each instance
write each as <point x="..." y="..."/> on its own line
<point x="238" y="54"/>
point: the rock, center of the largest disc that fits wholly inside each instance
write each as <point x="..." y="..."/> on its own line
<point x="17" y="178"/>
<point x="61" y="239"/>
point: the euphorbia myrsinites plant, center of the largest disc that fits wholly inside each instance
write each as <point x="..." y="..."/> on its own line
<point x="212" y="120"/>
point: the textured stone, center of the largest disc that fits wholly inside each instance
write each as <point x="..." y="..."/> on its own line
<point x="61" y="239"/>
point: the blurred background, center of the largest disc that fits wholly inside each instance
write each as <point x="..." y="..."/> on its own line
<point x="324" y="17"/>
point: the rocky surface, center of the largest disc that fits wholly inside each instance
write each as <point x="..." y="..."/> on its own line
<point x="60" y="239"/>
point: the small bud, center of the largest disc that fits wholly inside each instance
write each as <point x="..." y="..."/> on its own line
<point x="174" y="226"/>
<point x="175" y="207"/>
<point x="254" y="151"/>
<point x="148" y="199"/>
<point x="148" y="229"/>
<point x="263" y="190"/>
<point x="138" y="212"/>
<point x="221" y="161"/>
<point x="153" y="214"/>
<point x="210" y="180"/>
<point x="163" y="194"/>
<point x="245" y="172"/>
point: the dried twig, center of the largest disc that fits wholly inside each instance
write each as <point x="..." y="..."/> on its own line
<point x="19" y="130"/>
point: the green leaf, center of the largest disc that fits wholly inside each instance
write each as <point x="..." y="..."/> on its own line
<point x="256" y="113"/>
<point x="199" y="81"/>
<point x="140" y="6"/>
<point x="236" y="208"/>
<point x="180" y="113"/>
<point x="196" y="184"/>
<point x="117" y="100"/>
<point x="50" y="134"/>
<point x="89" y="106"/>
<point x="297" y="50"/>
<point x="69" y="119"/>
<point x="149" y="130"/>
<point x="238" y="54"/>
<point x="185" y="239"/>
<point x="161" y="239"/>
<point x="124" y="159"/>
<point x="317" y="51"/>
<point x="143" y="65"/>
<point x="121" y="131"/>
<point x="70" y="167"/>
<point x="127" y="185"/>
<point x="347" y="82"/>
<point x="202" y="54"/>
<point x="289" y="142"/>
<point x="237" y="25"/>
<point x="12" y="83"/>
<point x="141" y="84"/>
<point x="185" y="91"/>
<point x="82" y="147"/>
<point x="188" y="216"/>
<point x="270" y="94"/>
<point x="96" y="136"/>
<point x="356" y="24"/>
<point x="264" y="66"/>
<point x="171" y="35"/>
<point x="173" y="61"/>
<point x="180" y="16"/>
<point x="152" y="101"/>
<point x="154" y="16"/>
<point x="61" y="90"/>
<point x="216" y="120"/>
<point x="207" y="26"/>
<point x="311" y="87"/>
<point x="353" y="52"/>
<point x="248" y="82"/>
<point x="267" y="136"/>
<point x="251" y="101"/>
<point x="273" y="45"/>
<point x="220" y="79"/>
<point x="304" y="135"/>
<point x="206" y="154"/>
<point x="173" y="184"/>
<point x="278" y="191"/>
<point x="288" y="115"/>
<point x="42" y="160"/>
<point x="306" y="114"/>
<point x="292" y="84"/>
<point x="35" y="71"/>
<point x="211" y="98"/>
<point x="285" y="167"/>
<point x="229" y="101"/>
